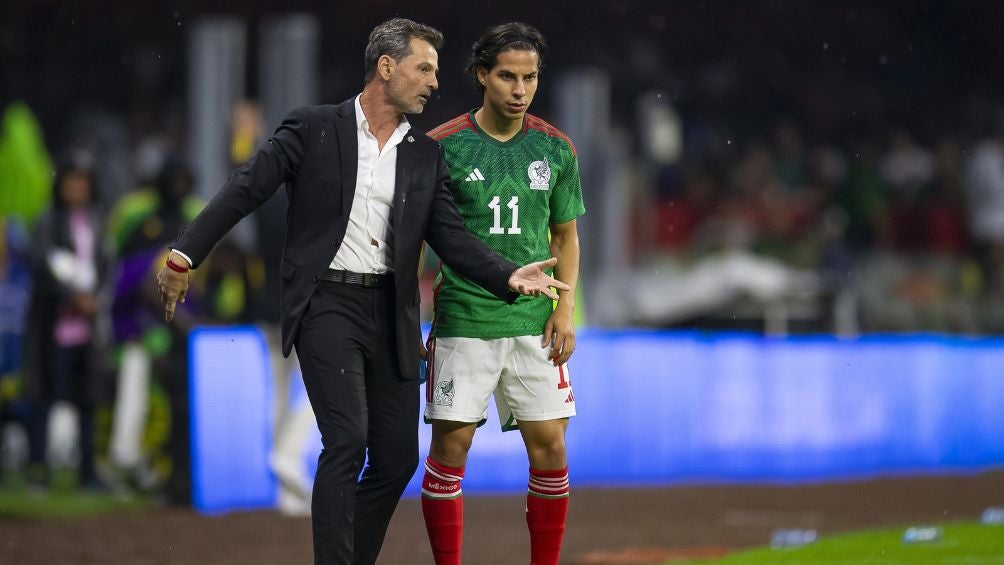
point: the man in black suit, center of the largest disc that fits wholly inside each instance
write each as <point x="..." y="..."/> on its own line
<point x="364" y="192"/>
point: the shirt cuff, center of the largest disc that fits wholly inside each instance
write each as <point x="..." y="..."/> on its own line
<point x="185" y="257"/>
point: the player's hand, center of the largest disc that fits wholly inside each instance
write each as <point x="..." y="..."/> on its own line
<point x="559" y="335"/>
<point x="531" y="280"/>
<point x="173" y="287"/>
<point x="423" y="350"/>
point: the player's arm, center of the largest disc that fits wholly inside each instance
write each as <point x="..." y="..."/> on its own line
<point x="559" y="331"/>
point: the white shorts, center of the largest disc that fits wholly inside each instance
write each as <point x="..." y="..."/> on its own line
<point x="465" y="371"/>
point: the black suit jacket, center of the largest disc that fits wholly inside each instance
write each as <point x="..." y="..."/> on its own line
<point x="315" y="153"/>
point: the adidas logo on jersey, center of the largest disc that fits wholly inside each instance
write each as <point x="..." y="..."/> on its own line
<point x="475" y="176"/>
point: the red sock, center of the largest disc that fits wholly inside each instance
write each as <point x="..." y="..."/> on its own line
<point x="443" y="508"/>
<point x="546" y="510"/>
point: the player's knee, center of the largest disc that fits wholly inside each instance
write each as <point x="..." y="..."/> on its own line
<point x="450" y="442"/>
<point x="547" y="453"/>
<point x="452" y="453"/>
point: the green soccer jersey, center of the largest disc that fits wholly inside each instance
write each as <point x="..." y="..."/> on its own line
<point x="508" y="194"/>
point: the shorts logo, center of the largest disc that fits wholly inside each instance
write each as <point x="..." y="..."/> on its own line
<point x="540" y="175"/>
<point x="443" y="395"/>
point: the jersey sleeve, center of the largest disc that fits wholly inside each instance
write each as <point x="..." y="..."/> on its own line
<point x="566" y="197"/>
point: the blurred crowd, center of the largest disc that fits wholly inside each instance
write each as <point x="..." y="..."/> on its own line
<point x="82" y="324"/>
<point x="902" y="224"/>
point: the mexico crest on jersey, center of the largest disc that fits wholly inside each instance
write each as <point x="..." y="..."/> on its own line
<point x="540" y="175"/>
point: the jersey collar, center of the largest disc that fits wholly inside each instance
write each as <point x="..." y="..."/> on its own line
<point x="514" y="140"/>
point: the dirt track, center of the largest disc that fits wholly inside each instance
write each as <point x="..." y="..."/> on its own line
<point x="601" y="521"/>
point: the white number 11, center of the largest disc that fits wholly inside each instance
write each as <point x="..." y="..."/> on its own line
<point x="497" y="210"/>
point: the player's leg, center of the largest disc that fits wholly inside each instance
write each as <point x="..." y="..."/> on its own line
<point x="545" y="443"/>
<point x="547" y="489"/>
<point x="539" y="396"/>
<point x="442" y="494"/>
<point x="451" y="441"/>
<point x="463" y="372"/>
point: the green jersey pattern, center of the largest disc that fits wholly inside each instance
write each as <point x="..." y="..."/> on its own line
<point x="508" y="194"/>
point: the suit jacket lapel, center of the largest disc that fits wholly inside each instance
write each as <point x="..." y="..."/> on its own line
<point x="407" y="160"/>
<point x="348" y="151"/>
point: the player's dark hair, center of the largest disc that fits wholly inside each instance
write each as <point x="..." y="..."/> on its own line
<point x="505" y="37"/>
<point x="393" y="37"/>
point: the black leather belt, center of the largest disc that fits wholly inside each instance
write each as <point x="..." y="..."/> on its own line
<point x="367" y="280"/>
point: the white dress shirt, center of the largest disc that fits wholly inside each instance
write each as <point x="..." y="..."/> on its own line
<point x="368" y="245"/>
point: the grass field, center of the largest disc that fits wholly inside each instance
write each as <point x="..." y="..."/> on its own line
<point x="61" y="499"/>
<point x="960" y="544"/>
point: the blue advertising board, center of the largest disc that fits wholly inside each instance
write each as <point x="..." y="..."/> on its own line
<point x="661" y="408"/>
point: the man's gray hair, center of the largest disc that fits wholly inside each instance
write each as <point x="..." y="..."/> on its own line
<point x="392" y="38"/>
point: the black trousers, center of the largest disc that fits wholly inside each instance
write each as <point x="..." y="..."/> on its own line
<point x="365" y="412"/>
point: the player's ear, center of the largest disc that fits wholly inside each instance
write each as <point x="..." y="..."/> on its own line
<point x="482" y="75"/>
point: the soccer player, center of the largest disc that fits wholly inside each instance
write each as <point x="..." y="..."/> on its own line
<point x="515" y="180"/>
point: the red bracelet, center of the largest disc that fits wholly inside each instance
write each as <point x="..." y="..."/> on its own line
<point x="176" y="267"/>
